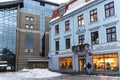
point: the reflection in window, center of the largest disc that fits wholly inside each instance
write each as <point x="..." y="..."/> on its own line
<point x="94" y="37"/>
<point x="93" y="15"/>
<point x="65" y="63"/>
<point x="28" y="41"/>
<point x="105" y="62"/>
<point x="67" y="25"/>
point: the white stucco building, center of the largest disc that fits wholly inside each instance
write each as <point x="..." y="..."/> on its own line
<point x="95" y="22"/>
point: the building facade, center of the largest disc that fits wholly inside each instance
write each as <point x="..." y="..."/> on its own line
<point x="83" y="31"/>
<point x="32" y="34"/>
<point x="24" y="30"/>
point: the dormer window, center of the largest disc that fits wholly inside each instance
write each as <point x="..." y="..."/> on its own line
<point x="62" y="11"/>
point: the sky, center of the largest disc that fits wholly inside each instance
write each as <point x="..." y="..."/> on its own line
<point x="56" y="1"/>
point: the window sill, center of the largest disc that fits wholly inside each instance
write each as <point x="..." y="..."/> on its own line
<point x="110" y="17"/>
<point x="93" y="22"/>
<point x="67" y="31"/>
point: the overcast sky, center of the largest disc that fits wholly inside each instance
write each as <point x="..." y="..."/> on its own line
<point x="56" y="1"/>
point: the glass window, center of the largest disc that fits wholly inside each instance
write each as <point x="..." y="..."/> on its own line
<point x="111" y="34"/>
<point x="57" y="29"/>
<point x="109" y="9"/>
<point x="26" y="26"/>
<point x="31" y="26"/>
<point x="94" y="37"/>
<point x="27" y="18"/>
<point x="105" y="62"/>
<point x="57" y="45"/>
<point x="65" y="63"/>
<point x="81" y="39"/>
<point x="80" y="20"/>
<point x="67" y="43"/>
<point x="28" y="41"/>
<point x="31" y="19"/>
<point x="67" y="25"/>
<point x="93" y="15"/>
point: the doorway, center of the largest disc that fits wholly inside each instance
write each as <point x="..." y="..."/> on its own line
<point x="82" y="61"/>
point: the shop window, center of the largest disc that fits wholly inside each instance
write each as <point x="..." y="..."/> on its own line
<point x="65" y="63"/>
<point x="93" y="15"/>
<point x="57" y="29"/>
<point x="81" y="20"/>
<point x="109" y="9"/>
<point x="67" y="25"/>
<point x="67" y="43"/>
<point x="105" y="62"/>
<point x="81" y="39"/>
<point x="94" y="37"/>
<point x="111" y="34"/>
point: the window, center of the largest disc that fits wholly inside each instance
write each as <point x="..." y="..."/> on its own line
<point x="57" y="45"/>
<point x="28" y="41"/>
<point x="109" y="9"/>
<point x="80" y="20"/>
<point x="67" y="25"/>
<point x="31" y="19"/>
<point x="65" y="63"/>
<point x="26" y="26"/>
<point x="42" y="3"/>
<point x="68" y="43"/>
<point x="27" y="18"/>
<point x="62" y="11"/>
<point x="57" y="29"/>
<point x="111" y="34"/>
<point x="106" y="62"/>
<point x="94" y="37"/>
<point x="31" y="26"/>
<point x="81" y="39"/>
<point x="93" y="15"/>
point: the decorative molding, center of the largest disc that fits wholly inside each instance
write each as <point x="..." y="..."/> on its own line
<point x="94" y="28"/>
<point x="80" y="30"/>
<point x="56" y="38"/>
<point x="111" y="24"/>
<point x="67" y="36"/>
<point x="32" y="31"/>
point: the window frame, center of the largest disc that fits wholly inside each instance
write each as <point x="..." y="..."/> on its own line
<point x="57" y="46"/>
<point x="67" y="42"/>
<point x="93" y="15"/>
<point x="81" y="39"/>
<point x="67" y="25"/>
<point x="111" y="33"/>
<point x="109" y="9"/>
<point x="94" y="37"/>
<point x="57" y="29"/>
<point x="80" y="20"/>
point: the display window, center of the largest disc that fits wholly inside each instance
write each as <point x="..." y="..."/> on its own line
<point x="65" y="63"/>
<point x="105" y="62"/>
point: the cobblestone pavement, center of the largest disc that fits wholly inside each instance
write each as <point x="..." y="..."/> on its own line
<point x="80" y="77"/>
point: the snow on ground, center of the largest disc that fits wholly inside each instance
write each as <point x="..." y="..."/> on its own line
<point x="28" y="73"/>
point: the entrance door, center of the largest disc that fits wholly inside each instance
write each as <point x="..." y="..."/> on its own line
<point x="82" y="61"/>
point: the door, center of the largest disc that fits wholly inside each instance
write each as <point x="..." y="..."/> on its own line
<point x="82" y="61"/>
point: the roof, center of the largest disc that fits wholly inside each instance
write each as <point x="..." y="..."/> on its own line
<point x="10" y="4"/>
<point x="45" y="1"/>
<point x="70" y="7"/>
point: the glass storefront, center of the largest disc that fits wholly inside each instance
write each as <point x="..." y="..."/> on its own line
<point x="65" y="63"/>
<point x="105" y="62"/>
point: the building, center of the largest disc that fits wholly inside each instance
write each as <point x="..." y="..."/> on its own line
<point x="24" y="29"/>
<point x="83" y="31"/>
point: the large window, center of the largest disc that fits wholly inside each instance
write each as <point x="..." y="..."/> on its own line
<point x="111" y="34"/>
<point x="80" y="20"/>
<point x="109" y="9"/>
<point x="105" y="62"/>
<point x="57" y="45"/>
<point x="94" y="37"/>
<point x="93" y="15"/>
<point x="28" y="41"/>
<point x="81" y="39"/>
<point x="65" y="63"/>
<point x="67" y="25"/>
<point x="67" y="43"/>
<point x="57" y="29"/>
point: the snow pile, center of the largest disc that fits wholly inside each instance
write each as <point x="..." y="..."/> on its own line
<point x="37" y="73"/>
